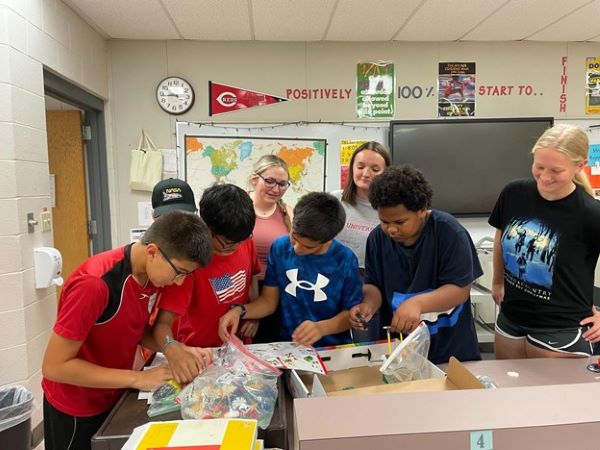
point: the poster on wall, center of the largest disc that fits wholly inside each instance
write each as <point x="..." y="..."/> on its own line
<point x="592" y="92"/>
<point x="375" y="83"/>
<point x="229" y="159"/>
<point x="456" y="89"/>
<point x="347" y="148"/>
<point x="224" y="98"/>
<point x="592" y="169"/>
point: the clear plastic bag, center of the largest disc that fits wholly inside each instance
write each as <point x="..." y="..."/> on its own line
<point x="164" y="399"/>
<point x="409" y="360"/>
<point x="15" y="406"/>
<point x="238" y="384"/>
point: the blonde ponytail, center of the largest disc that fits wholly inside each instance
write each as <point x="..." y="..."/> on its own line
<point x="582" y="180"/>
<point x="286" y="217"/>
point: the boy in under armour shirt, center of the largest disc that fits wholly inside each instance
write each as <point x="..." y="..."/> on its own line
<point x="313" y="276"/>
<point x="102" y="317"/>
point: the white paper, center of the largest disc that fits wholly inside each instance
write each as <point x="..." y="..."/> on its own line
<point x="144" y="214"/>
<point x="289" y="355"/>
<point x="136" y="233"/>
<point x="169" y="160"/>
<point x="52" y="190"/>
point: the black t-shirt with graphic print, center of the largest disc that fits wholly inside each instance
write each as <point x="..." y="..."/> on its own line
<point x="550" y="250"/>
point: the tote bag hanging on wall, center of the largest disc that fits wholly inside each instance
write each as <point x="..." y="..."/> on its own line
<point x="146" y="165"/>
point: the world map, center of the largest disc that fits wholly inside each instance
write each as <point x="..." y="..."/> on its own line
<point x="214" y="159"/>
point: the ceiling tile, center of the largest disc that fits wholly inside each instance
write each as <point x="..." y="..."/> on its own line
<point x="580" y="25"/>
<point x="131" y="19"/>
<point x="446" y="20"/>
<point x="211" y="20"/>
<point x="385" y="17"/>
<point x="521" y="18"/>
<point x="291" y="20"/>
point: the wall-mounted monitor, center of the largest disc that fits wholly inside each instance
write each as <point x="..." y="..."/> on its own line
<point x="467" y="161"/>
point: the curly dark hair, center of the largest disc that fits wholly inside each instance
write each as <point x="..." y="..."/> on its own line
<point x="401" y="185"/>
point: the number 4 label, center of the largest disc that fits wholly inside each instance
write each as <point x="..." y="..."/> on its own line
<point x="482" y="440"/>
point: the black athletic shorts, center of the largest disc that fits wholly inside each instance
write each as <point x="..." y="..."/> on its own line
<point x="562" y="340"/>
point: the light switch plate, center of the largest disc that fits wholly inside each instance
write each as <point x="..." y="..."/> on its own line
<point x="46" y="221"/>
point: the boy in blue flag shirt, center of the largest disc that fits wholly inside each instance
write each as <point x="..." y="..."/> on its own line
<point x="314" y="277"/>
<point x="421" y="262"/>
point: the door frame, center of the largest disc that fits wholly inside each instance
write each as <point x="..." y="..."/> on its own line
<point x="95" y="151"/>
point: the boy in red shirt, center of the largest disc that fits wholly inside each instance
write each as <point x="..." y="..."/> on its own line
<point x="102" y="317"/>
<point x="229" y="279"/>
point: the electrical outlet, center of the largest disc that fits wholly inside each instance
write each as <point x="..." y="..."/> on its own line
<point x="46" y="221"/>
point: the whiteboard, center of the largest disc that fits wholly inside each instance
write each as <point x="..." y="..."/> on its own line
<point x="332" y="133"/>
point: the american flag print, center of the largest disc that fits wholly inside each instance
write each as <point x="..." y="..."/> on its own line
<point x="227" y="286"/>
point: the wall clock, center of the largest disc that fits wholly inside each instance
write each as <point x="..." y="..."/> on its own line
<point x="175" y="95"/>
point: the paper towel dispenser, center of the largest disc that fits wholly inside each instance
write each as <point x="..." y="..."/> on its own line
<point x="47" y="263"/>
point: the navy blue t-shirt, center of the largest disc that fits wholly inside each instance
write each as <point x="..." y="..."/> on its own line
<point x="313" y="287"/>
<point x="443" y="254"/>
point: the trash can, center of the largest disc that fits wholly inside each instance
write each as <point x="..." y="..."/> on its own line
<point x="15" y="418"/>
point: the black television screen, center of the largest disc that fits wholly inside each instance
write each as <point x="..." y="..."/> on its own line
<point x="467" y="161"/>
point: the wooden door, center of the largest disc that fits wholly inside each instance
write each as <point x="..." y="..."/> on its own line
<point x="66" y="161"/>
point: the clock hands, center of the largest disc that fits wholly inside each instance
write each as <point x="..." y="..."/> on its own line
<point x="175" y="95"/>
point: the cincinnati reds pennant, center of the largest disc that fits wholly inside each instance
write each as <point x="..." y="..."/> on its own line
<point x="224" y="98"/>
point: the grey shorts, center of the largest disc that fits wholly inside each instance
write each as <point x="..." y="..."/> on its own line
<point x="562" y="340"/>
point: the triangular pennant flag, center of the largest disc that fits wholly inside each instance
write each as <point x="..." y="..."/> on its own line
<point x="224" y="98"/>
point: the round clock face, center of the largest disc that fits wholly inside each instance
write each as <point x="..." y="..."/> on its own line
<point x="175" y="95"/>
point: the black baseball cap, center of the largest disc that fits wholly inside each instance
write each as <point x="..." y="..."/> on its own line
<point x="172" y="194"/>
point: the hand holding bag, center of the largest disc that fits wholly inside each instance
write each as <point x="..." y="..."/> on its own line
<point x="146" y="165"/>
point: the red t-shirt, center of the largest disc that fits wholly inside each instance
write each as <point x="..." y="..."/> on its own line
<point x="102" y="305"/>
<point x="207" y="294"/>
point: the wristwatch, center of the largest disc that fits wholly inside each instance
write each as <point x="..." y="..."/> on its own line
<point x="242" y="307"/>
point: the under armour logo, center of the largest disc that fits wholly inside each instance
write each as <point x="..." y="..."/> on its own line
<point x="319" y="295"/>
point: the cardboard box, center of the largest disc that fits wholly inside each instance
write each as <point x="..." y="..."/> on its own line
<point x="368" y="380"/>
<point x="337" y="358"/>
<point x="541" y="414"/>
<point x="354" y="370"/>
<point x="549" y="417"/>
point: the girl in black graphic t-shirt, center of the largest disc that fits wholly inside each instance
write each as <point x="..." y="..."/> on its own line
<point x="545" y="253"/>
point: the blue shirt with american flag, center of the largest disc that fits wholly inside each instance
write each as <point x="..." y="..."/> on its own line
<point x="313" y="287"/>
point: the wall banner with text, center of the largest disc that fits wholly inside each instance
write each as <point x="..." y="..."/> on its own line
<point x="375" y="83"/>
<point x="456" y="89"/>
